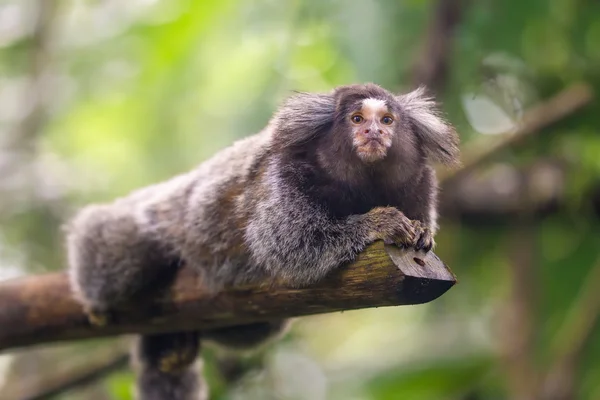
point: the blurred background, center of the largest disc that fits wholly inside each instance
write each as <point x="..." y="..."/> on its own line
<point x="98" y="97"/>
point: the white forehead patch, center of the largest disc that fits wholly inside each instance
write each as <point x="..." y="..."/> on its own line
<point x="373" y="107"/>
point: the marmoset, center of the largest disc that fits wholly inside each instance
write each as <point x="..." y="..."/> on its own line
<point x="330" y="174"/>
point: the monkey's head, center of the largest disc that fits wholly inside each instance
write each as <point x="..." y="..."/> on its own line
<point x="371" y="120"/>
<point x="365" y="124"/>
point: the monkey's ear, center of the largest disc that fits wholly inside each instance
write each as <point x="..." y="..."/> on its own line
<point x="301" y="118"/>
<point x="437" y="135"/>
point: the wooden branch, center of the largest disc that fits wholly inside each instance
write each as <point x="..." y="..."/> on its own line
<point x="545" y="114"/>
<point x="40" y="309"/>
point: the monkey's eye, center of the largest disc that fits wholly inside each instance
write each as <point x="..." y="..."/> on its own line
<point x="357" y="119"/>
<point x="387" y="120"/>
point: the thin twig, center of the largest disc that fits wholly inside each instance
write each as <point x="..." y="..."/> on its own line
<point x="572" y="339"/>
<point x="432" y="66"/>
<point x="535" y="120"/>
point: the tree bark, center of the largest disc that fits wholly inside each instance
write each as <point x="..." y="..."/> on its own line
<point x="431" y="68"/>
<point x="40" y="309"/>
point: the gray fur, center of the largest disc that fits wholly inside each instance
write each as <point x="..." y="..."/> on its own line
<point x="302" y="117"/>
<point x="276" y="234"/>
<point x="153" y="384"/>
<point x="240" y="217"/>
<point x="185" y="385"/>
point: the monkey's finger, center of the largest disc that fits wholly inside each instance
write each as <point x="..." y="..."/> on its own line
<point x="425" y="241"/>
<point x="411" y="229"/>
<point x="413" y="232"/>
<point x="405" y="239"/>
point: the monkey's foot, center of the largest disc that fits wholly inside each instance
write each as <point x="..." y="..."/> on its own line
<point x="97" y="317"/>
<point x="177" y="351"/>
<point x="177" y="360"/>
<point x="424" y="238"/>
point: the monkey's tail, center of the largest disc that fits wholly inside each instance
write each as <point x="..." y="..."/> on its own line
<point x="168" y="367"/>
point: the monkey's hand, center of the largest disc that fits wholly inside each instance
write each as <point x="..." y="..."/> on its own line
<point x="393" y="227"/>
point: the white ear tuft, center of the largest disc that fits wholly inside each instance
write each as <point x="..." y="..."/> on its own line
<point x="437" y="135"/>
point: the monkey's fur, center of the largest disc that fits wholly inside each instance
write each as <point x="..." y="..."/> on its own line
<point x="294" y="201"/>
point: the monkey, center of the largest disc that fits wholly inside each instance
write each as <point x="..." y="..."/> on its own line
<point x="329" y="174"/>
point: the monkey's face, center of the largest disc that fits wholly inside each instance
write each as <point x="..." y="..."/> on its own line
<point x="372" y="128"/>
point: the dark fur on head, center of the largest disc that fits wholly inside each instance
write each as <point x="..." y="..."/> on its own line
<point x="420" y="130"/>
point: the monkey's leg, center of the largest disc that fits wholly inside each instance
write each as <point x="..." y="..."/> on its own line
<point x="113" y="260"/>
<point x="247" y="336"/>
<point x="166" y="367"/>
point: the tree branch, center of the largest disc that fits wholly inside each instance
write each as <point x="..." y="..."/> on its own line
<point x="432" y="66"/>
<point x="535" y="120"/>
<point x="40" y="309"/>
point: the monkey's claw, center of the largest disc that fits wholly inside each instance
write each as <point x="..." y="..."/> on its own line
<point x="425" y="240"/>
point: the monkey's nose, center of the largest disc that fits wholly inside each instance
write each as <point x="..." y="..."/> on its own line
<point x="372" y="133"/>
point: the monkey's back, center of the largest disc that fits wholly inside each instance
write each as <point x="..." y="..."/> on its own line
<point x="199" y="213"/>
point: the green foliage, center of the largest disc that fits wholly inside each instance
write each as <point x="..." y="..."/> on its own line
<point x="142" y="90"/>
<point x="119" y="385"/>
<point x="441" y="379"/>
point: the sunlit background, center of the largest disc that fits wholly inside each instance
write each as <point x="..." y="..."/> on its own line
<point x="98" y="97"/>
